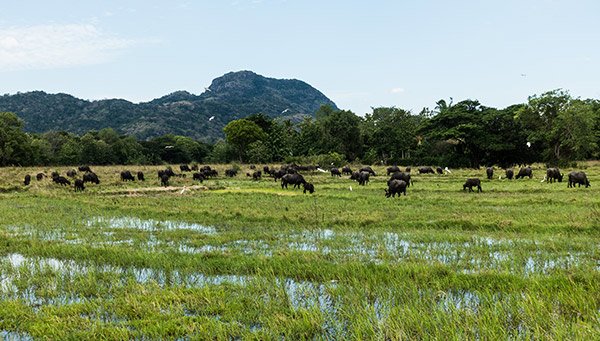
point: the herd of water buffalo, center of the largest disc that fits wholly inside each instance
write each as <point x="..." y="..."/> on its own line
<point x="290" y="175"/>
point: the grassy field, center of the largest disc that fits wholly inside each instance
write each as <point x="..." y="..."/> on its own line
<point x="242" y="259"/>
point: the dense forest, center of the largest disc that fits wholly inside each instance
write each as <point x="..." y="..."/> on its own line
<point x="554" y="128"/>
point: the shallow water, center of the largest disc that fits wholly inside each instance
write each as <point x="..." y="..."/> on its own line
<point x="148" y="224"/>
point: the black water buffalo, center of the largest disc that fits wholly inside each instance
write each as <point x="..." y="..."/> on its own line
<point x="61" y="180"/>
<point x="392" y="169"/>
<point x="40" y="176"/>
<point x="27" y="180"/>
<point x="335" y="172"/>
<point x="164" y="180"/>
<point x="408" y="169"/>
<point x="278" y="174"/>
<point x="395" y="187"/>
<point x="553" y="174"/>
<point x="127" y="176"/>
<point x="510" y="173"/>
<point x="140" y="176"/>
<point x="368" y="169"/>
<point x="308" y="187"/>
<point x="354" y="176"/>
<point x="363" y="178"/>
<point x="91" y="177"/>
<point x="84" y="168"/>
<point x="79" y="185"/>
<point x="71" y="173"/>
<point x="293" y="179"/>
<point x="346" y="170"/>
<point x="257" y="175"/>
<point x="55" y="174"/>
<point x="185" y="168"/>
<point x="578" y="178"/>
<point x="168" y="172"/>
<point x="523" y="172"/>
<point x="194" y="168"/>
<point x="489" y="172"/>
<point x="230" y="172"/>
<point x="198" y="176"/>
<point x="266" y="169"/>
<point x="401" y="176"/>
<point x="426" y="170"/>
<point x="470" y="183"/>
<point x="439" y="170"/>
<point x="252" y="167"/>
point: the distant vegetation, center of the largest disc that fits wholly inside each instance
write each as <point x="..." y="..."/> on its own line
<point x="554" y="128"/>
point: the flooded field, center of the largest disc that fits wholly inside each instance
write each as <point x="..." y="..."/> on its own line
<point x="519" y="261"/>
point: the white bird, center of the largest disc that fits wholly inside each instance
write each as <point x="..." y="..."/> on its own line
<point x="207" y="89"/>
<point x="350" y="188"/>
<point x="322" y="170"/>
<point x="183" y="190"/>
<point x="447" y="170"/>
<point x="528" y="144"/>
<point x="211" y="118"/>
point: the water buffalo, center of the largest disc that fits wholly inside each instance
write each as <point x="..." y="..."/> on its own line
<point x="140" y="176"/>
<point x="230" y="172"/>
<point x="194" y="168"/>
<point x="252" y="167"/>
<point x="61" y="180"/>
<point x="470" y="183"/>
<point x="392" y="169"/>
<point x="308" y="187"/>
<point x="554" y="174"/>
<point x="401" y="176"/>
<point x="278" y="174"/>
<point x="489" y="172"/>
<point x="335" y="172"/>
<point x="55" y="174"/>
<point x="523" y="172"/>
<point x="164" y="180"/>
<point x="509" y="173"/>
<point x="184" y="168"/>
<point x="426" y="170"/>
<point x="363" y="178"/>
<point x="439" y="170"/>
<point x="198" y="176"/>
<point x="346" y="170"/>
<point x="578" y="178"/>
<point x="395" y="187"/>
<point x="71" y="173"/>
<point x="256" y="175"/>
<point x="40" y="176"/>
<point x="408" y="169"/>
<point x="27" y="180"/>
<point x="127" y="176"/>
<point x="266" y="169"/>
<point x="368" y="169"/>
<point x="79" y="185"/>
<point x="91" y="177"/>
<point x="294" y="179"/>
<point x="84" y="168"/>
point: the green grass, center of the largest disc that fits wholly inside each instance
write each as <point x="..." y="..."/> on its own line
<point x="236" y="258"/>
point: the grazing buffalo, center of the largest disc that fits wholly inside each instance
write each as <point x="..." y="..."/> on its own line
<point x="470" y="183"/>
<point x="84" y="168"/>
<point x="185" y="168"/>
<point x="308" y="187"/>
<point x="79" y="185"/>
<point x="278" y="174"/>
<point x="408" y="169"/>
<point x="91" y="177"/>
<point x="335" y="172"/>
<point x="71" y="173"/>
<point x="40" y="176"/>
<point x="578" y="178"/>
<point x="266" y="169"/>
<point x="194" y="168"/>
<point x="354" y="176"/>
<point x="61" y="180"/>
<point x="346" y="170"/>
<point x="230" y="172"/>
<point x="55" y="174"/>
<point x="168" y="172"/>
<point x="27" y="180"/>
<point x="523" y="172"/>
<point x="369" y="170"/>
<point x="127" y="176"/>
<point x="252" y="167"/>
<point x="401" y="176"/>
<point x="140" y="176"/>
<point x="164" y="180"/>
<point x="293" y="179"/>
<point x="198" y="176"/>
<point x="439" y="170"/>
<point x="510" y="173"/>
<point x="553" y="174"/>
<point x="395" y="187"/>
<point x="256" y="175"/>
<point x="489" y="172"/>
<point x="363" y="178"/>
<point x="392" y="170"/>
<point x="426" y="170"/>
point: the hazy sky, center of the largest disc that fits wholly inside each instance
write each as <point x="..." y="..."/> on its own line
<point x="361" y="54"/>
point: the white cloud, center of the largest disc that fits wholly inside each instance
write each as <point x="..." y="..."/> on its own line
<point x="397" y="90"/>
<point x="56" y="46"/>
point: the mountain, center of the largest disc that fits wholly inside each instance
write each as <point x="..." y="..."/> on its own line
<point x="232" y="96"/>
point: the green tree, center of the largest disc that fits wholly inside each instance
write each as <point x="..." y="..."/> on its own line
<point x="15" y="144"/>
<point x="241" y="133"/>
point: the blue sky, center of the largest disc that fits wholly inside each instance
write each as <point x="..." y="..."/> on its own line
<point x="361" y="54"/>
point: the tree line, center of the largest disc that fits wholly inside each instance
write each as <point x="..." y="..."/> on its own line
<point x="554" y="128"/>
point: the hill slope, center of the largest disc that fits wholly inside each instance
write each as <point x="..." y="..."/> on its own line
<point x="229" y="97"/>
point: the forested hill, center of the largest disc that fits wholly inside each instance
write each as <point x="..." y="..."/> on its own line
<point x="229" y="97"/>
